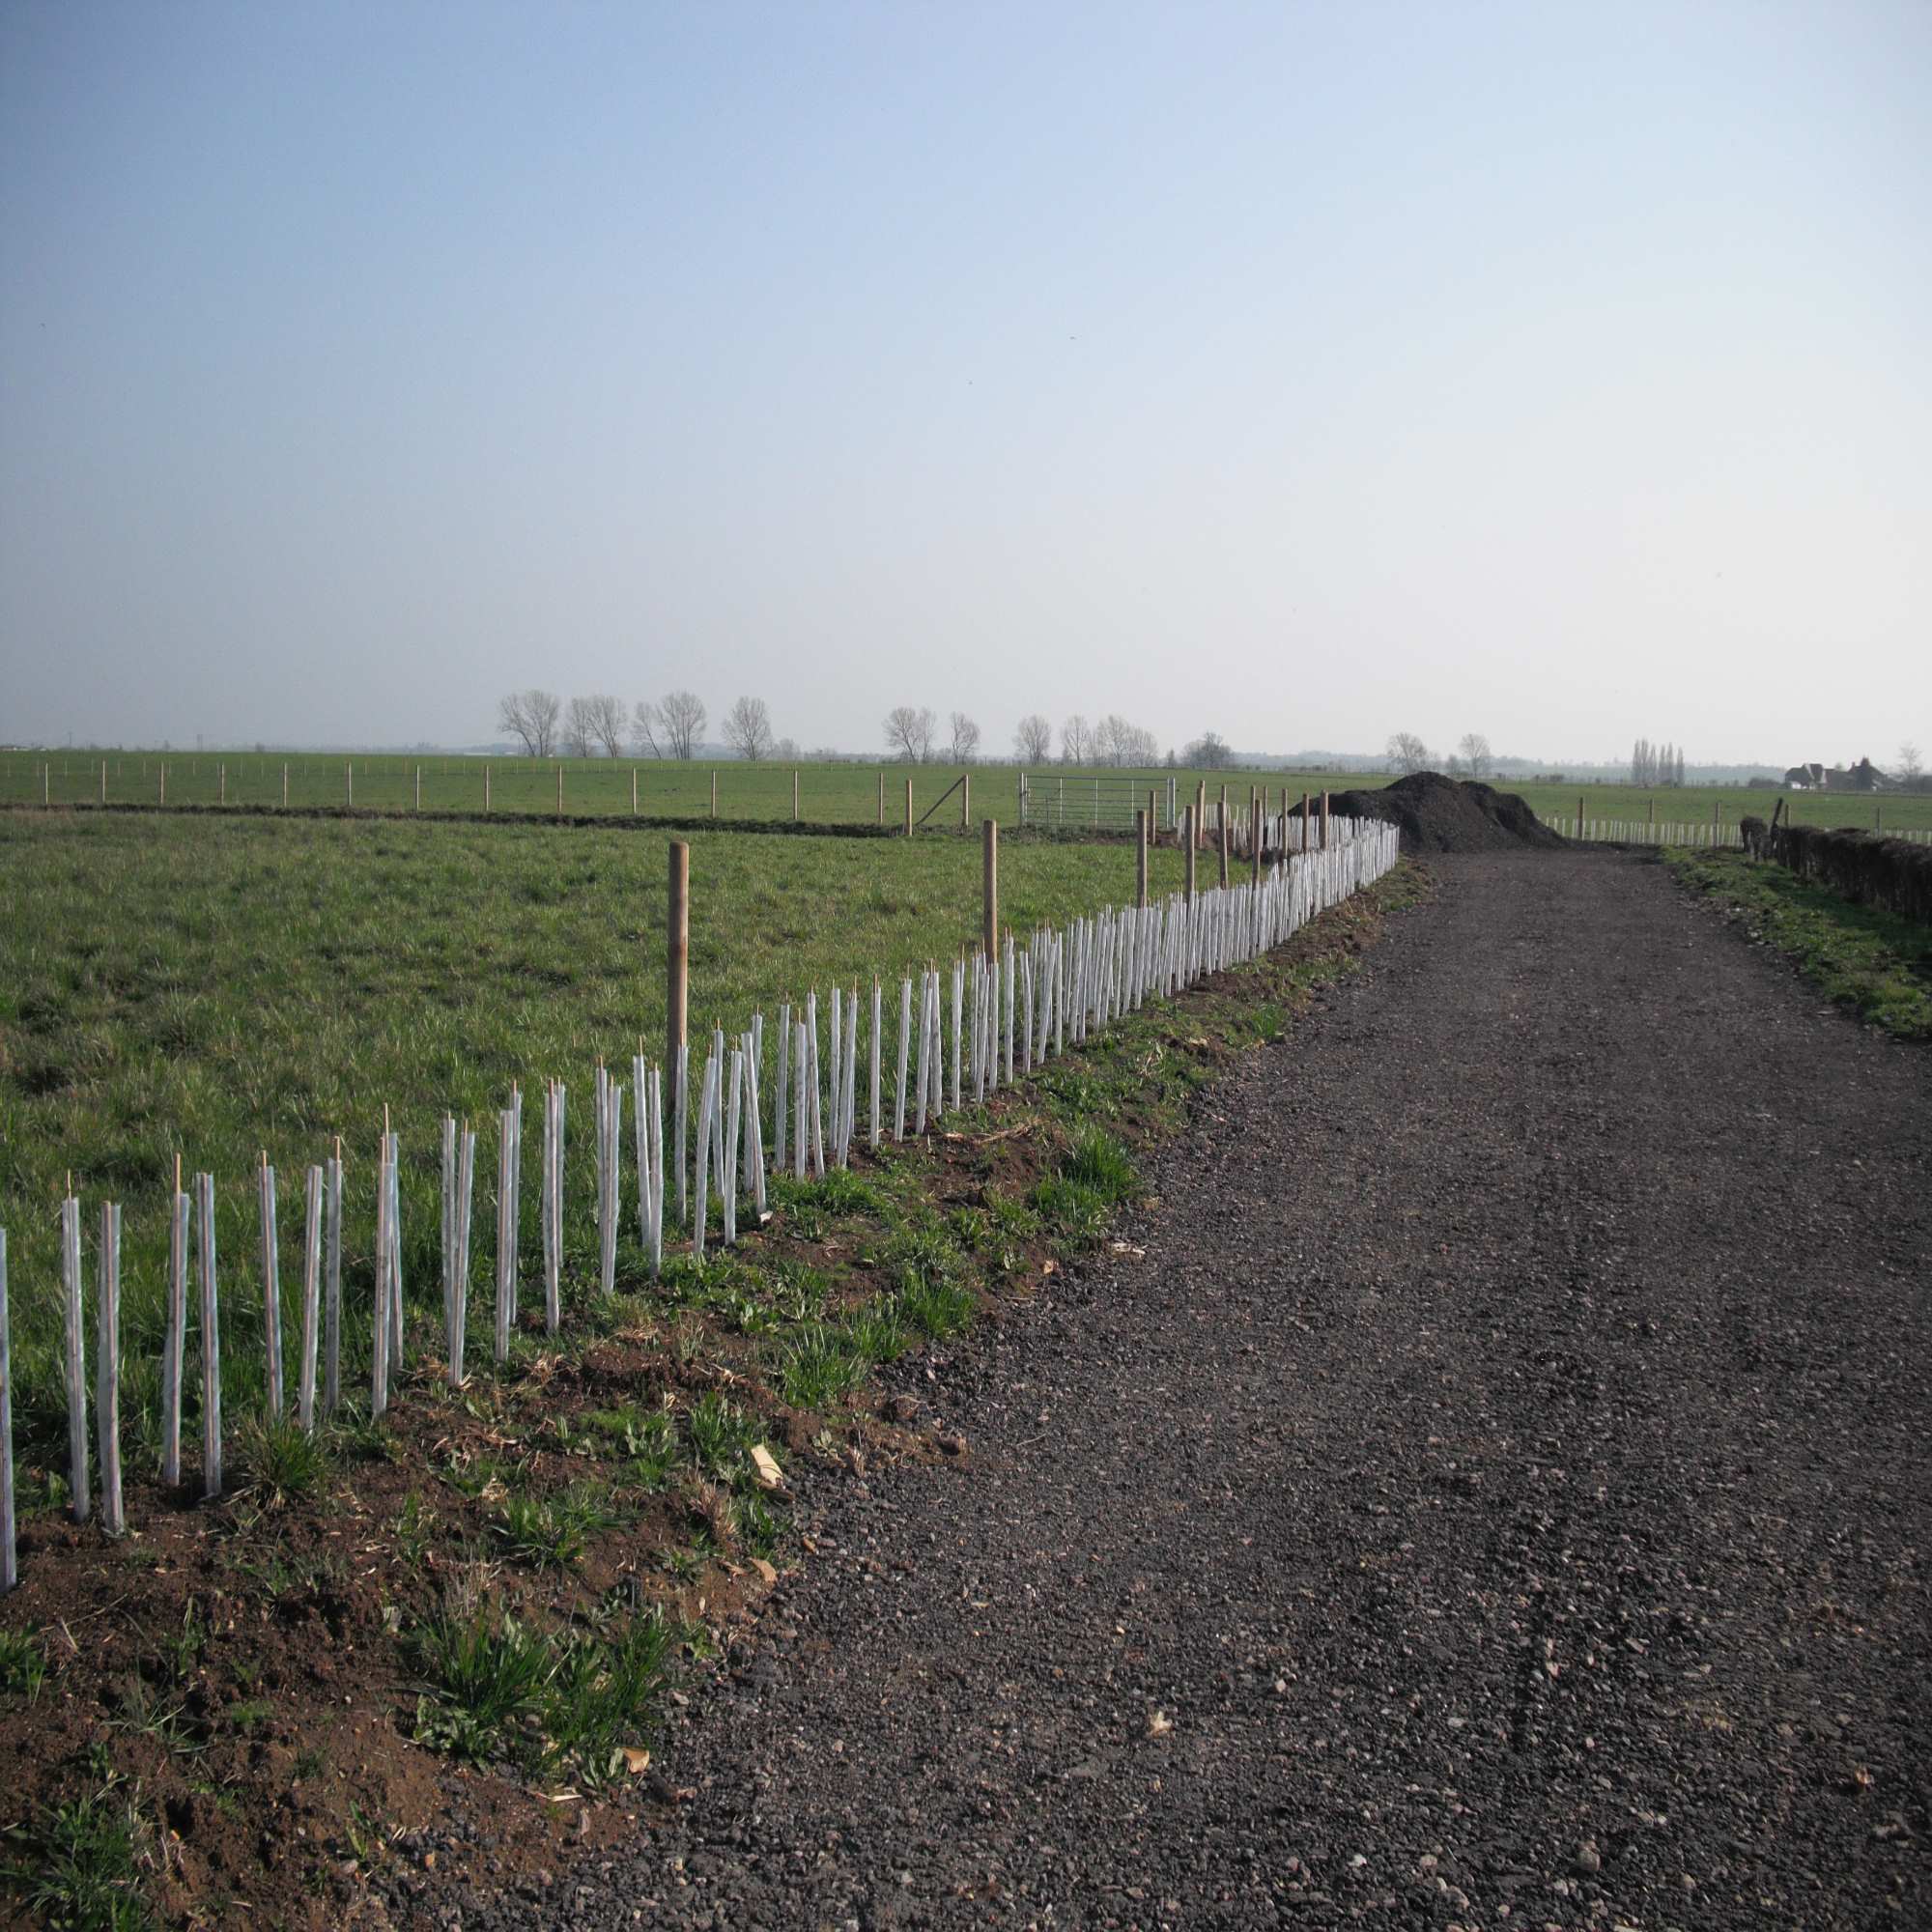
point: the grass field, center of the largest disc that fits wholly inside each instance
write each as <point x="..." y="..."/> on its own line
<point x="828" y="794"/>
<point x="221" y="987"/>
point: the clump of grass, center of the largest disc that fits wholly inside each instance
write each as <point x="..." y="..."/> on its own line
<point x="933" y="1306"/>
<point x="486" y="1675"/>
<point x="1094" y="1179"/>
<point x="1099" y="1163"/>
<point x="84" y="1861"/>
<point x="604" y="1692"/>
<point x="720" y="1437"/>
<point x="878" y="1331"/>
<point x="284" y="1463"/>
<point x="819" y="1366"/>
<point x="550" y="1532"/>
<point x="23" y="1663"/>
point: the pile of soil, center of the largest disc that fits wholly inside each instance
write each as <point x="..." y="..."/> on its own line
<point x="1438" y="814"/>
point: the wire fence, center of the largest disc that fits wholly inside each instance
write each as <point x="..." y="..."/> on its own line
<point x="704" y="1141"/>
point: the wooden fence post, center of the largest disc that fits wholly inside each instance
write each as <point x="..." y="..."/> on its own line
<point x="677" y="952"/>
<point x="1223" y="830"/>
<point x="1192" y="850"/>
<point x="990" y="922"/>
<point x="486" y="784"/>
<point x="966" y="806"/>
<point x="1324" y="821"/>
<point x="1307" y="814"/>
<point x="419" y="787"/>
<point x="559" y="792"/>
<point x="714" y="794"/>
<point x="908" y="830"/>
<point x="882" y="798"/>
<point x="1197" y="826"/>
<point x="1153" y="814"/>
<point x="1141" y="859"/>
<point x="1255" y="830"/>
<point x="284" y="788"/>
<point x="164" y="780"/>
<point x="103" y="781"/>
<point x="349" y="781"/>
<point x="1579" y="814"/>
<point x="794" y="795"/>
<point x="634" y="791"/>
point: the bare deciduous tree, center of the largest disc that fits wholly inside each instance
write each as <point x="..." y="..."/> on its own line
<point x="1476" y="753"/>
<point x="532" y="716"/>
<point x="1407" y="753"/>
<point x="645" y="724"/>
<point x="965" y="739"/>
<point x="748" y="729"/>
<point x="594" y="726"/>
<point x="909" y="730"/>
<point x="1033" y="740"/>
<point x="1909" y="765"/>
<point x="1077" y="741"/>
<point x="1116" y="742"/>
<point x="1207" y="752"/>
<point x="681" y="717"/>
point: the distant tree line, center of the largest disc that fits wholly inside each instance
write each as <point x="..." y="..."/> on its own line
<point x="600" y="727"/>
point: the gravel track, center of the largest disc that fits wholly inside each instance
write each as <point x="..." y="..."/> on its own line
<point x="1497" y="1496"/>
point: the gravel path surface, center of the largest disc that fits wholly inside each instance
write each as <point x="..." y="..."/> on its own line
<point x="1498" y="1495"/>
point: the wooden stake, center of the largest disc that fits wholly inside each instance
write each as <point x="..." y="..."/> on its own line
<point x="908" y="830"/>
<point x="714" y="794"/>
<point x="1188" y="814"/>
<point x="965" y="800"/>
<point x="882" y="798"/>
<point x="678" y="958"/>
<point x="989" y="928"/>
<point x="1223" y="829"/>
<point x="794" y="796"/>
<point x="107" y="1368"/>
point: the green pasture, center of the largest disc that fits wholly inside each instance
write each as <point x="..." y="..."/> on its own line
<point x="219" y="987"/>
<point x="828" y="794"/>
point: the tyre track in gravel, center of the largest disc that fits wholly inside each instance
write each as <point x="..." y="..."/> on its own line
<point x="1498" y="1497"/>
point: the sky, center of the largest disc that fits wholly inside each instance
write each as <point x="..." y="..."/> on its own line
<point x="1301" y="373"/>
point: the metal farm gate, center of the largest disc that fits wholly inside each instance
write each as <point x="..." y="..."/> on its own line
<point x="1074" y="801"/>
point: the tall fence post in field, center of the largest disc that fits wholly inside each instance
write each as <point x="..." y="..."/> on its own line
<point x="284" y="788"/>
<point x="47" y="783"/>
<point x="1188" y="814"/>
<point x="990" y="920"/>
<point x="103" y="781"/>
<point x="908" y="830"/>
<point x="965" y="800"/>
<point x="1140" y="859"/>
<point x="486" y="784"/>
<point x="634" y="791"/>
<point x="348" y="782"/>
<point x="165" y="782"/>
<point x="419" y="787"/>
<point x="1198" y="824"/>
<point x="559" y="792"/>
<point x="1579" y="814"/>
<point x="882" y="798"/>
<point x="714" y="794"/>
<point x="794" y="795"/>
<point x="221" y="796"/>
<point x="1223" y="830"/>
<point x="1257" y="797"/>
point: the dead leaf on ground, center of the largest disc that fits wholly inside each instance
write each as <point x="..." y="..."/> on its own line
<point x="637" y="1760"/>
<point x="766" y="1466"/>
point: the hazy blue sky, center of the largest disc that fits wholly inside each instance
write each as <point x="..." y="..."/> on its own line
<point x="1304" y="372"/>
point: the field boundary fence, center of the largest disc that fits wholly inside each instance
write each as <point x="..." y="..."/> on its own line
<point x="707" y="1135"/>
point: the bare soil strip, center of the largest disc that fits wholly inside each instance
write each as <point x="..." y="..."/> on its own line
<point x="1490" y="1490"/>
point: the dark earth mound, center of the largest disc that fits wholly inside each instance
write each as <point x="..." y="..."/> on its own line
<point x="1438" y="814"/>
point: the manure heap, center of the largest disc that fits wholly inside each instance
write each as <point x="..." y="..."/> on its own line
<point x="1438" y="814"/>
